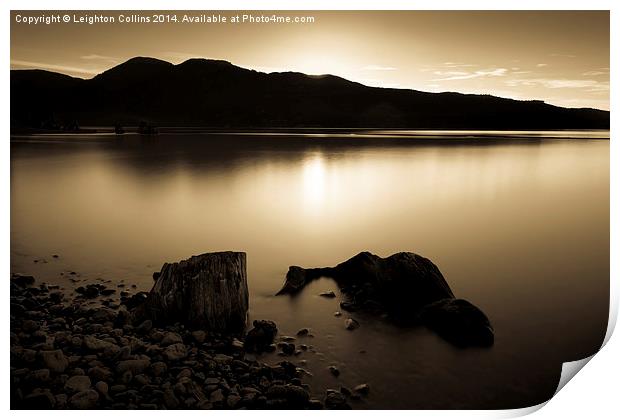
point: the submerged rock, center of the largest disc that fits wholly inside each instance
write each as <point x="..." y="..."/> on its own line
<point x="335" y="400"/>
<point x="334" y="370"/>
<point x="459" y="322"/>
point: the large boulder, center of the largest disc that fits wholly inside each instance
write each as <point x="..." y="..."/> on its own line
<point x="406" y="286"/>
<point x="402" y="283"/>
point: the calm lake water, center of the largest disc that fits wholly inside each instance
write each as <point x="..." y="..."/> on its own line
<point x="519" y="225"/>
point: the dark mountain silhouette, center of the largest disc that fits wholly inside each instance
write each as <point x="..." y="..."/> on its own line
<point x="200" y="92"/>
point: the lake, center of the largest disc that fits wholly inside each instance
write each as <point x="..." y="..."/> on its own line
<point x="517" y="222"/>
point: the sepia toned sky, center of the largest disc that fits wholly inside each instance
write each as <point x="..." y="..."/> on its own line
<point x="561" y="57"/>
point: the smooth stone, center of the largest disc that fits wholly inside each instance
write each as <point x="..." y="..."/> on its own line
<point x="134" y="366"/>
<point x="102" y="388"/>
<point x="175" y="352"/>
<point x="334" y="370"/>
<point x="55" y="360"/>
<point x="351" y="324"/>
<point x="171" y="338"/>
<point x="159" y="368"/>
<point x="363" y="389"/>
<point x="77" y="383"/>
<point x="336" y="401"/>
<point x="39" y="400"/>
<point x="199" y="335"/>
<point x="84" y="400"/>
<point x="216" y="396"/>
<point x="94" y="344"/>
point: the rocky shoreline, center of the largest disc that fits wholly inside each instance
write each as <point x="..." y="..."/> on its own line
<point x="83" y="350"/>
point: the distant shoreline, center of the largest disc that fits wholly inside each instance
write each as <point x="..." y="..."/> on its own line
<point x="351" y="133"/>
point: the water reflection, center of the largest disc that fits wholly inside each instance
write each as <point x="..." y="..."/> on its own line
<point x="315" y="182"/>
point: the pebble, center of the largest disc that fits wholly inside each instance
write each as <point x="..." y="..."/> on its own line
<point x="84" y="400"/>
<point x="363" y="389"/>
<point x="351" y="324"/>
<point x="216" y="396"/>
<point x="336" y="401"/>
<point x="334" y="370"/>
<point x="159" y="368"/>
<point x="133" y="366"/>
<point x="77" y="383"/>
<point x="40" y="399"/>
<point x="55" y="360"/>
<point x="199" y="335"/>
<point x="175" y="352"/>
<point x="102" y="388"/>
<point x="171" y="338"/>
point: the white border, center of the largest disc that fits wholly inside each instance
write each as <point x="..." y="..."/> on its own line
<point x="593" y="394"/>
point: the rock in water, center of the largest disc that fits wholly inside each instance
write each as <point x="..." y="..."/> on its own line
<point x="459" y="322"/>
<point x="261" y="336"/>
<point x="209" y="291"/>
<point x="407" y="286"/>
<point x="351" y="324"/>
<point x="403" y="282"/>
<point x="400" y="281"/>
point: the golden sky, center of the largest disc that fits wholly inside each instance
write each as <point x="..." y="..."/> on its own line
<point x="561" y="57"/>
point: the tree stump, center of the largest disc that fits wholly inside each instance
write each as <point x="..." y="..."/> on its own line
<point x="208" y="291"/>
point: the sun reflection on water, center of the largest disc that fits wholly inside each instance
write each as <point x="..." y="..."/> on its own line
<point x="314" y="181"/>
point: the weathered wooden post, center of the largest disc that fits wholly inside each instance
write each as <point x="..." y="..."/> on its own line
<point x="207" y="291"/>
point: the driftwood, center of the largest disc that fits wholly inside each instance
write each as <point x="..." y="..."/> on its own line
<point x="207" y="291"/>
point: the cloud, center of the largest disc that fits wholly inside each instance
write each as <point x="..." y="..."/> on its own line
<point x="589" y="85"/>
<point x="97" y="57"/>
<point x="53" y="67"/>
<point x="450" y="64"/>
<point x="374" y="67"/>
<point x="541" y="65"/>
<point x="563" y="55"/>
<point x="180" y="56"/>
<point x="463" y="75"/>
<point x="601" y="72"/>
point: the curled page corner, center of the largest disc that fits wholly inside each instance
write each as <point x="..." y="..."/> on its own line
<point x="569" y="370"/>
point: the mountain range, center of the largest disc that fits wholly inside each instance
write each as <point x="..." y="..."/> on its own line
<point x="215" y="93"/>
